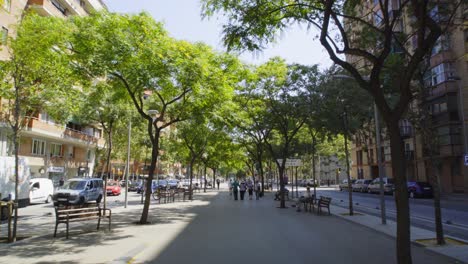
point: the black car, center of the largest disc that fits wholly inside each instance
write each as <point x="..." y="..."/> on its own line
<point x="419" y="189"/>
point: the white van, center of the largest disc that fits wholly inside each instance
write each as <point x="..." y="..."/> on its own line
<point x="41" y="190"/>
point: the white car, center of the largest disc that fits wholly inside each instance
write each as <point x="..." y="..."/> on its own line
<point x="41" y="190"/>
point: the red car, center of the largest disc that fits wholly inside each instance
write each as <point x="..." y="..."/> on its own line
<point x="113" y="188"/>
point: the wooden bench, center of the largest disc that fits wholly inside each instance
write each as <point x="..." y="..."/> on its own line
<point x="324" y="202"/>
<point x="166" y="195"/>
<point x="67" y="215"/>
<point x="188" y="193"/>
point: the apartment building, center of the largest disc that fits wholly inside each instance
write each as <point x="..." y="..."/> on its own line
<point x="52" y="150"/>
<point x="446" y="102"/>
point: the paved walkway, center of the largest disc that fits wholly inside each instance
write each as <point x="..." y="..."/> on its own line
<point x="215" y="229"/>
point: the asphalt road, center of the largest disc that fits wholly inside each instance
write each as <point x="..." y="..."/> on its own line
<point x="454" y="213"/>
<point x="212" y="229"/>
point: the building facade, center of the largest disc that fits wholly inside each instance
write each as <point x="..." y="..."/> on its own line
<point x="52" y="150"/>
<point x="445" y="100"/>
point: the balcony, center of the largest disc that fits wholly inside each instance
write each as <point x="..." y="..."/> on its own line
<point x="441" y="89"/>
<point x="47" y="8"/>
<point x="406" y="131"/>
<point x="441" y="57"/>
<point x="409" y="155"/>
<point x="41" y="128"/>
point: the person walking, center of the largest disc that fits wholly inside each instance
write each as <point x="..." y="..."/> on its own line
<point x="218" y="181"/>
<point x="235" y="189"/>
<point x="250" y="187"/>
<point x="230" y="188"/>
<point x="242" y="188"/>
<point x="258" y="189"/>
<point x="305" y="198"/>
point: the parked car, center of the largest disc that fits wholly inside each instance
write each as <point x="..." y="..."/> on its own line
<point x="361" y="185"/>
<point x="162" y="184"/>
<point x="122" y="183"/>
<point x="41" y="190"/>
<point x="133" y="186"/>
<point x="79" y="191"/>
<point x="173" y="184"/>
<point x="419" y="189"/>
<point x="388" y="184"/>
<point x="344" y="184"/>
<point x="113" y="188"/>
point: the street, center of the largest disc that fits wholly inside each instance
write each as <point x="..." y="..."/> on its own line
<point x="211" y="229"/>
<point x="454" y="212"/>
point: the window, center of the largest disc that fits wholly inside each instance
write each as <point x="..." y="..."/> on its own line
<point x="378" y="18"/>
<point x="60" y="7"/>
<point x="46" y="118"/>
<point x="56" y="150"/>
<point x="4" y="36"/>
<point x="442" y="44"/>
<point x="7" y="5"/>
<point x="440" y="73"/>
<point x="38" y="147"/>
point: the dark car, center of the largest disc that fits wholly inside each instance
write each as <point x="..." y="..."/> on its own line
<point x="133" y="187"/>
<point x="419" y="189"/>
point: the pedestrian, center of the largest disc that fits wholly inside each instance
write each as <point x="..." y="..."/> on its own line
<point x="230" y="187"/>
<point x="218" y="181"/>
<point x="250" y="188"/>
<point x="242" y="189"/>
<point x="235" y="189"/>
<point x="305" y="198"/>
<point x="258" y="190"/>
<point x="61" y="182"/>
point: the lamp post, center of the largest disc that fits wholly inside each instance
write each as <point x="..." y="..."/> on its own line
<point x="379" y="154"/>
<point x="350" y="189"/>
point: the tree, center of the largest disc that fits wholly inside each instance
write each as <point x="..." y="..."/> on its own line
<point x="173" y="79"/>
<point x="32" y="77"/>
<point x="370" y="47"/>
<point x="286" y="110"/>
<point x="109" y="107"/>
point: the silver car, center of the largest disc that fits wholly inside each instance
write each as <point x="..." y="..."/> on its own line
<point x="79" y="191"/>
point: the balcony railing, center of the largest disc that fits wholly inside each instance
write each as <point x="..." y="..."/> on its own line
<point x="409" y="155"/>
<point x="406" y="131"/>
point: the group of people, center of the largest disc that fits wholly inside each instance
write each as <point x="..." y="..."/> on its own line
<point x="235" y="188"/>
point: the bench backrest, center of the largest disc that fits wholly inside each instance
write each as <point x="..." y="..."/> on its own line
<point x="325" y="200"/>
<point x="63" y="213"/>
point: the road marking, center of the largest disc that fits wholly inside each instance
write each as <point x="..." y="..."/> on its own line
<point x="130" y="256"/>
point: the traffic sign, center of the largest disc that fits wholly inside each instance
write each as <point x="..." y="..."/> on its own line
<point x="291" y="162"/>
<point x="466" y="159"/>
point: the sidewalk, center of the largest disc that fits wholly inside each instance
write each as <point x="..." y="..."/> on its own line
<point x="213" y="229"/>
<point x="458" y="252"/>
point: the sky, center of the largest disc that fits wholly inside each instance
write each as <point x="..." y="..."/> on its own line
<point x="182" y="20"/>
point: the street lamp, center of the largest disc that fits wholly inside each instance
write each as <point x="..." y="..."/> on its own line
<point x="379" y="154"/>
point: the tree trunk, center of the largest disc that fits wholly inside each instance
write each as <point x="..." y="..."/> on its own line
<point x="154" y="159"/>
<point x="109" y="150"/>
<point x="281" y="182"/>
<point x="214" y="177"/>
<point x="16" y="145"/>
<point x="204" y="178"/>
<point x="313" y="167"/>
<point x="261" y="175"/>
<point x="437" y="210"/>
<point x="403" y="244"/>
<point x="191" y="177"/>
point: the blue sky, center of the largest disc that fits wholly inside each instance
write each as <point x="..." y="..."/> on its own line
<point x="183" y="21"/>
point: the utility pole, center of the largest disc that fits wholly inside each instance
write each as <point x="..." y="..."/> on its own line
<point x="381" y="168"/>
<point x="350" y="190"/>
